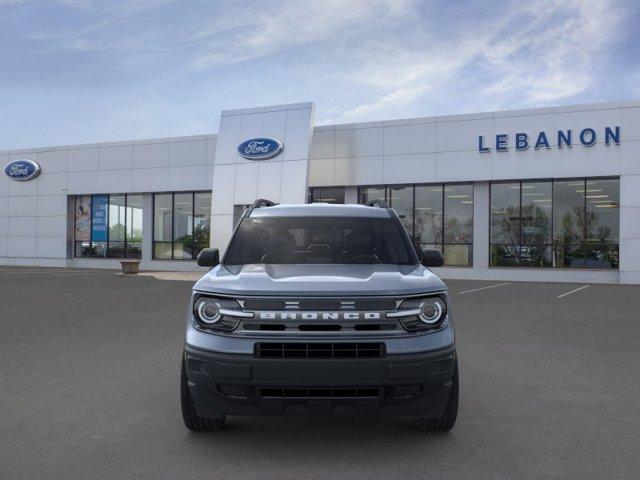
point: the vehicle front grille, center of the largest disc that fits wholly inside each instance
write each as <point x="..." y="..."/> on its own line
<point x="360" y="350"/>
<point x="329" y="393"/>
<point x="319" y="327"/>
<point x="322" y="304"/>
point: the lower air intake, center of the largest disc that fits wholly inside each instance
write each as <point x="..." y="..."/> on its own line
<point x="332" y="393"/>
<point x="320" y="350"/>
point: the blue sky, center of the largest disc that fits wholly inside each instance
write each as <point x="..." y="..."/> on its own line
<point x="78" y="71"/>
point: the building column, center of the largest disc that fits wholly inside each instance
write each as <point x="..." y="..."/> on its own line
<point x="238" y="181"/>
<point x="629" y="229"/>
<point x="481" y="216"/>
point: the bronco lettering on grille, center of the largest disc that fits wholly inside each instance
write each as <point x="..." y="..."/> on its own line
<point x="319" y="315"/>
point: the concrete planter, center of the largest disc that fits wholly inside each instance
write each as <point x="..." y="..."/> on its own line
<point x="130" y="266"/>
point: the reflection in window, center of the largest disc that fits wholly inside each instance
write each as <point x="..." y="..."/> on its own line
<point x="458" y="224"/>
<point x="117" y="219"/>
<point x="108" y="226"/>
<point x="327" y="195"/>
<point x="505" y="213"/>
<point x="401" y="200"/>
<point x="428" y="214"/>
<point x="201" y="222"/>
<point x="162" y="225"/>
<point x="134" y="226"/>
<point x="564" y="224"/>
<point x="182" y="224"/>
<point x="368" y="194"/>
<point x="435" y="216"/>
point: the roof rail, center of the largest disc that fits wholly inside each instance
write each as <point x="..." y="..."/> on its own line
<point x="377" y="203"/>
<point x="261" y="202"/>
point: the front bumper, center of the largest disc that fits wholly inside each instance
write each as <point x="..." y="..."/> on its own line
<point x="397" y="384"/>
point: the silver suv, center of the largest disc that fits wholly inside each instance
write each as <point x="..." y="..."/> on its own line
<point x="319" y="310"/>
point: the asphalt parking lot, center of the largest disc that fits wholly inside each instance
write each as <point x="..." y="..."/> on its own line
<point x="550" y="388"/>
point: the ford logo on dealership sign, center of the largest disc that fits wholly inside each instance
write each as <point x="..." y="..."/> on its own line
<point x="22" y="170"/>
<point x="260" y="148"/>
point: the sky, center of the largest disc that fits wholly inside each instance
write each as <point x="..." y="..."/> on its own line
<point x="80" y="71"/>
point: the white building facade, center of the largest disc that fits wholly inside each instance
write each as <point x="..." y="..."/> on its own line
<point x="548" y="194"/>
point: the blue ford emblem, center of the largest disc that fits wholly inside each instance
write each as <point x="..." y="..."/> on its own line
<point x="22" y="170"/>
<point x="260" y="148"/>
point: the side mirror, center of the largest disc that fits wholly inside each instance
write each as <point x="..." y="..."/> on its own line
<point x="432" y="258"/>
<point x="208" y="257"/>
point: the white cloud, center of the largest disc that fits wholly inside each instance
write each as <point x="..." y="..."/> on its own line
<point x="551" y="57"/>
<point x="543" y="52"/>
<point x="247" y="33"/>
<point x="395" y="99"/>
<point x="358" y="59"/>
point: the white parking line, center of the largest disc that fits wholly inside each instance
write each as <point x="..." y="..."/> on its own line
<point x="484" y="288"/>
<point x="573" y="291"/>
<point x="51" y="273"/>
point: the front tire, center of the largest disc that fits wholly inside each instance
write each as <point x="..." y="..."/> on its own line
<point x="445" y="422"/>
<point x="192" y="420"/>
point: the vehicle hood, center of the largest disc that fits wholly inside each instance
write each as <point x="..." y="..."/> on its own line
<point x="310" y="280"/>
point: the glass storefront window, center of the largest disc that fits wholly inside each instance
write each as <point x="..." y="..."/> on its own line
<point x="327" y="195"/>
<point x="562" y="224"/>
<point x="505" y="213"/>
<point x="401" y="200"/>
<point x="182" y="224"/>
<point x="568" y="212"/>
<point x="201" y="222"/>
<point x="368" y="194"/>
<point x="429" y="219"/>
<point x="134" y="226"/>
<point x="603" y="211"/>
<point x="536" y="220"/>
<point x="435" y="216"/>
<point x="162" y="225"/>
<point x="108" y="226"/>
<point x="458" y="225"/>
<point x="117" y="219"/>
<point x="82" y="226"/>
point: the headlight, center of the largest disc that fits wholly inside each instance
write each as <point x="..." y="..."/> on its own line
<point x="217" y="313"/>
<point x="425" y="313"/>
<point x="208" y="310"/>
<point x="431" y="310"/>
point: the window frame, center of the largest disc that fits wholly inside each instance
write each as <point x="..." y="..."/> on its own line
<point x="172" y="242"/>
<point x="441" y="243"/>
<point x="124" y="241"/>
<point x="553" y="244"/>
<point x="315" y="189"/>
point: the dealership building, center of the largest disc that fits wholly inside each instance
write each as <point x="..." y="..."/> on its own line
<point x="549" y="194"/>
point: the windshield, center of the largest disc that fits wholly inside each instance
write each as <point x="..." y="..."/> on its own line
<point x="303" y="240"/>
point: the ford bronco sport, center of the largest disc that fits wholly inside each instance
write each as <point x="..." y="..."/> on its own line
<point x="319" y="310"/>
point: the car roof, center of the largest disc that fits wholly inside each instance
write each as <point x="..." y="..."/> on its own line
<point x="320" y="210"/>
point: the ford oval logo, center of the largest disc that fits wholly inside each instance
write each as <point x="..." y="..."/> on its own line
<point x="260" y="148"/>
<point x="22" y="170"/>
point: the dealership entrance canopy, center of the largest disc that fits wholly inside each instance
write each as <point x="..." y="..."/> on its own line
<point x="549" y="194"/>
